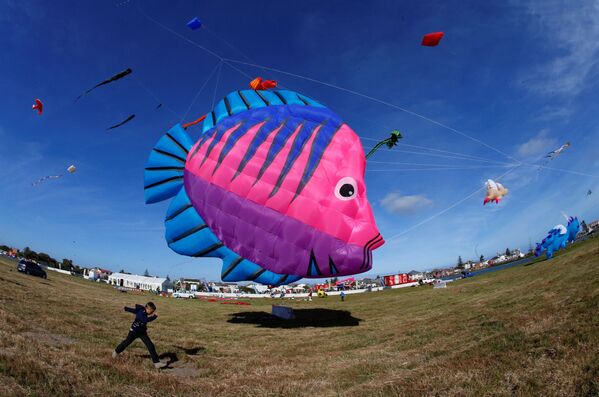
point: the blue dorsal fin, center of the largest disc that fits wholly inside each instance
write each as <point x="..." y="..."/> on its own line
<point x="240" y="101"/>
<point x="163" y="175"/>
<point x="188" y="234"/>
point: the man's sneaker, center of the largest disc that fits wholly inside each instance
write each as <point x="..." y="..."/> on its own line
<point x="160" y="365"/>
<point x="114" y="354"/>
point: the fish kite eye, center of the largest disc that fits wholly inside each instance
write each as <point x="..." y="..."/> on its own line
<point x="346" y="188"/>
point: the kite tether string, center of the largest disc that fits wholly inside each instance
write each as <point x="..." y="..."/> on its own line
<point x="432" y="168"/>
<point x="229" y="62"/>
<point x="432" y="217"/>
<point x="143" y="86"/>
<point x="201" y="89"/>
<point x="371" y="98"/>
<point x="220" y="68"/>
<point x="436" y="150"/>
<point x="377" y="100"/>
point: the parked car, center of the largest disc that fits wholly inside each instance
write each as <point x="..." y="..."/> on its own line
<point x="184" y="295"/>
<point x="32" y="268"/>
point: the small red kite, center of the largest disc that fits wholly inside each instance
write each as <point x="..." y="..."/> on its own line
<point x="259" y="84"/>
<point x="39" y="106"/>
<point x="432" y="39"/>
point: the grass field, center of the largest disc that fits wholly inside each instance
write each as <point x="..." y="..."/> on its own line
<point x="529" y="330"/>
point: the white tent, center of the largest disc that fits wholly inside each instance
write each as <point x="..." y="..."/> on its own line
<point x="138" y="282"/>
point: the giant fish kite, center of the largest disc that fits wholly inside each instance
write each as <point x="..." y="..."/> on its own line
<point x="558" y="238"/>
<point x="274" y="186"/>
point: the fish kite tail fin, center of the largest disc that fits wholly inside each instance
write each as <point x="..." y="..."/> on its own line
<point x="163" y="175"/>
<point x="538" y="250"/>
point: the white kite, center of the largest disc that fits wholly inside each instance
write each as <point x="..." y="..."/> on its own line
<point x="71" y="170"/>
<point x="495" y="191"/>
<point x="553" y="154"/>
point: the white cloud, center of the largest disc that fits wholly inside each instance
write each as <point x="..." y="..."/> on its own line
<point x="572" y="30"/>
<point x="553" y="112"/>
<point x="398" y="204"/>
<point x="539" y="144"/>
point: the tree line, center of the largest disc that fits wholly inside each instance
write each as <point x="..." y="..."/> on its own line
<point x="45" y="259"/>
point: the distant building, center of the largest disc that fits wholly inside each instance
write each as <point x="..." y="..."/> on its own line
<point x="96" y="273"/>
<point x="416" y="275"/>
<point x="396" y="279"/>
<point x="139" y="282"/>
<point x="258" y="288"/>
<point x="300" y="288"/>
<point x="190" y="284"/>
<point x="231" y="288"/>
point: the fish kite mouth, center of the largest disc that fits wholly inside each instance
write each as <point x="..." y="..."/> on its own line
<point x="371" y="245"/>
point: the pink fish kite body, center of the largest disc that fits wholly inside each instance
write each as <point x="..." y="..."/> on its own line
<point x="274" y="186"/>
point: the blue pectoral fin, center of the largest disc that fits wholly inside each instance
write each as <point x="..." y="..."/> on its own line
<point x="235" y="268"/>
<point x="163" y="175"/>
<point x="188" y="234"/>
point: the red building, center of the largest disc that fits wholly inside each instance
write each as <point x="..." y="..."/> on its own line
<point x="397" y="279"/>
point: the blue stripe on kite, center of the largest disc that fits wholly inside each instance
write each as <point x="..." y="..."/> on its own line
<point x="278" y="143"/>
<point x="230" y="142"/>
<point x="222" y="128"/>
<point x="205" y="136"/>
<point x="296" y="149"/>
<point x="258" y="140"/>
<point x="315" y="114"/>
<point x="319" y="145"/>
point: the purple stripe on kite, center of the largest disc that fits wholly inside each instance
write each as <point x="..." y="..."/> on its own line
<point x="277" y="242"/>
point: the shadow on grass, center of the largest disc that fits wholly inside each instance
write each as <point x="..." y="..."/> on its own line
<point x="192" y="351"/>
<point x="536" y="261"/>
<point x="170" y="356"/>
<point x="303" y="318"/>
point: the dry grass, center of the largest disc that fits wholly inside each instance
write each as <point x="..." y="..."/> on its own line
<point x="530" y="330"/>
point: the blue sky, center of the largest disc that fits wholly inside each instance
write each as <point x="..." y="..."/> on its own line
<point x="520" y="77"/>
